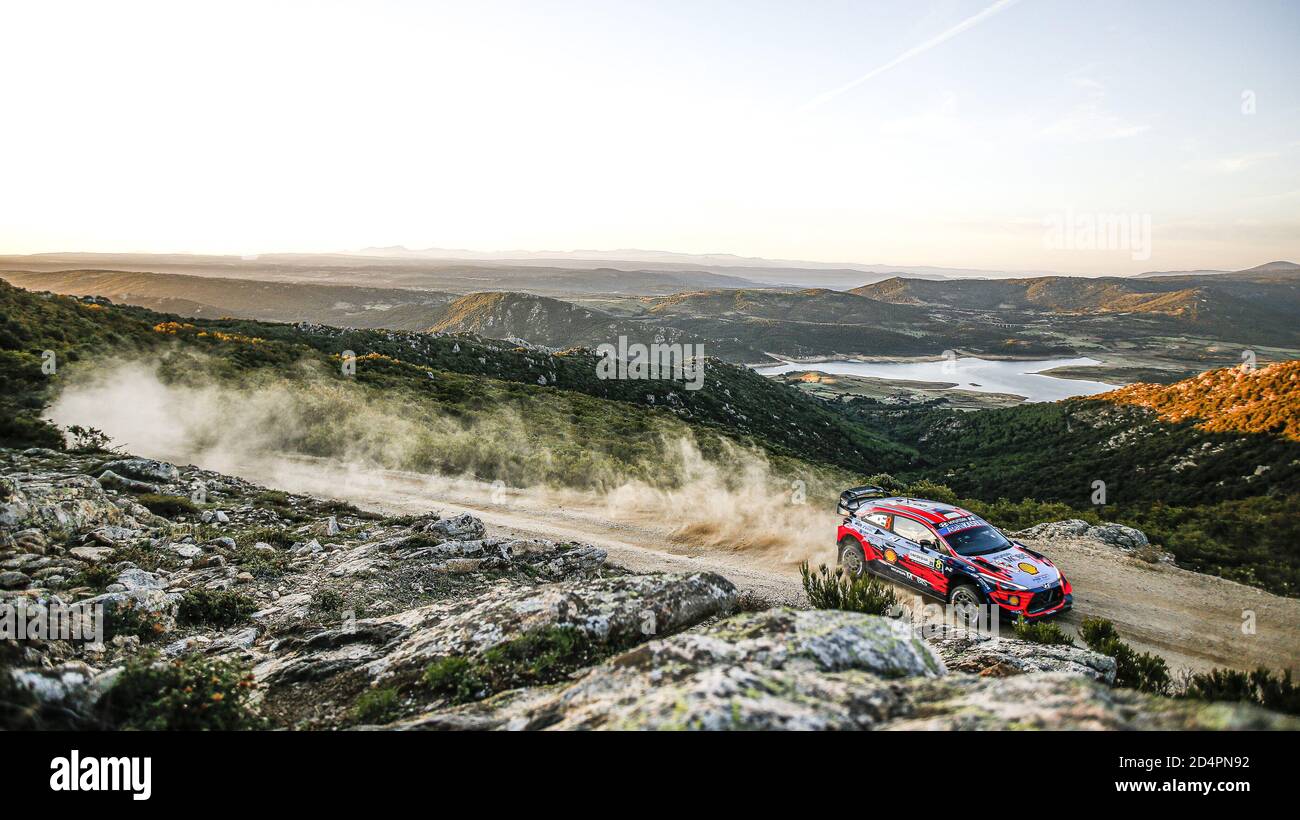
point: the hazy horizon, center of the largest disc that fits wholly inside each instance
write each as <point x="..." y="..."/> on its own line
<point x="999" y="135"/>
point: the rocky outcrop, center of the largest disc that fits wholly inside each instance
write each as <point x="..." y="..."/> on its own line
<point x="1116" y="535"/>
<point x="457" y="627"/>
<point x="980" y="654"/>
<point x="145" y="469"/>
<point x="783" y="669"/>
<point x="53" y="501"/>
<point x="609" y="614"/>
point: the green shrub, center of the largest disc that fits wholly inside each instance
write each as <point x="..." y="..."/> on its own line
<point x="931" y="490"/>
<point x="1133" y="670"/>
<point x="838" y="590"/>
<point x="95" y="576"/>
<point x="328" y="602"/>
<point x="1260" y="687"/>
<point x="275" y="498"/>
<point x="216" y="607"/>
<point x="89" y="439"/>
<point x="1042" y="632"/>
<point x="189" y="694"/>
<point x="456" y="679"/>
<point x="128" y="620"/>
<point x="376" y="706"/>
<point x="168" y="506"/>
<point x="539" y="657"/>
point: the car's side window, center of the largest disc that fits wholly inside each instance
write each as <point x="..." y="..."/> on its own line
<point x="913" y="531"/>
<point x="879" y="519"/>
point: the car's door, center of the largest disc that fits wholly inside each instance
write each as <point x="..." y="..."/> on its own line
<point x="921" y="555"/>
<point x="874" y="529"/>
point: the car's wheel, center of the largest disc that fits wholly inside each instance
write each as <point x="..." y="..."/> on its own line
<point x="968" y="603"/>
<point x="852" y="558"/>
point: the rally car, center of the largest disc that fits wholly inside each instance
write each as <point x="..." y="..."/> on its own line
<point x="944" y="551"/>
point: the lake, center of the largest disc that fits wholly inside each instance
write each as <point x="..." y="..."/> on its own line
<point x="1023" y="378"/>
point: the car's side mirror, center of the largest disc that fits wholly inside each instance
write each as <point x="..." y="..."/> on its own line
<point x="929" y="544"/>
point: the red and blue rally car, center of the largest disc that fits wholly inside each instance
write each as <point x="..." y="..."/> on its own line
<point x="946" y="552"/>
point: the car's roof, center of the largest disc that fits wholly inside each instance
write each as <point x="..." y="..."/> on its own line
<point x="931" y="512"/>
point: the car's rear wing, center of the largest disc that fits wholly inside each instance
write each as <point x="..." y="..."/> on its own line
<point x="852" y="499"/>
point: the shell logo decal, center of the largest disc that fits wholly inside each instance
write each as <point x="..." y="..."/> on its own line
<point x="1027" y="567"/>
<point x="890" y="555"/>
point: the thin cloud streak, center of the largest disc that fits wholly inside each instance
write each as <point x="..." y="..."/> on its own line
<point x="969" y="22"/>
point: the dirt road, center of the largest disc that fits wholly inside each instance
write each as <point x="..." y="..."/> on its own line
<point x="1193" y="620"/>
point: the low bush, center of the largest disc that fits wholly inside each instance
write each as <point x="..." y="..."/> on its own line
<point x="189" y="694"/>
<point x="328" y="602"/>
<point x="1133" y="670"/>
<point x="838" y="590"/>
<point x="1043" y="632"/>
<point x="1261" y="687"/>
<point x="168" y="506"/>
<point x="376" y="706"/>
<point x="128" y="619"/>
<point x="95" y="576"/>
<point x="214" y="607"/>
<point x="539" y="657"/>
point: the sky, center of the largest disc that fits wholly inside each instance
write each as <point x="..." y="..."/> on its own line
<point x="1088" y="137"/>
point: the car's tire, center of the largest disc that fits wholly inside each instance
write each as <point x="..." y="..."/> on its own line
<point x="968" y="602"/>
<point x="852" y="559"/>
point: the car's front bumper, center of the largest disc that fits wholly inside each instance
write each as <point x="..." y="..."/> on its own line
<point x="1034" y="604"/>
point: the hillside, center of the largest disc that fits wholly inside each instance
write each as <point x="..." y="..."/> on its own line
<point x="559" y="393"/>
<point x="1233" y="400"/>
<point x="213" y="297"/>
<point x="820" y="322"/>
<point x="441" y="275"/>
<point x="1252" y="309"/>
<point x="742" y="325"/>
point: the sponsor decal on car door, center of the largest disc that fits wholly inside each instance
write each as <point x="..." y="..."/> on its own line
<point x="923" y="566"/>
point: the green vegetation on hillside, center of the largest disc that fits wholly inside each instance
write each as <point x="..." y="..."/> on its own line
<point x="451" y="404"/>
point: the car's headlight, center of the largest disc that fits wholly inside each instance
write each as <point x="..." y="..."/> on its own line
<point x="1001" y="584"/>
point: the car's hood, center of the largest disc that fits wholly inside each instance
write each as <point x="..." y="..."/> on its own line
<point x="1019" y="567"/>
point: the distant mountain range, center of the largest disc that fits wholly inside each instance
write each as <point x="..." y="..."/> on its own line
<point x="773" y="272"/>
<point x="1255" y="306"/>
<point x="1268" y="267"/>
<point x="551" y="273"/>
<point x="899" y="316"/>
<point x="740" y="325"/>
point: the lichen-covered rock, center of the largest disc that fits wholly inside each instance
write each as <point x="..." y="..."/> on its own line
<point x="979" y="654"/>
<point x="610" y="612"/>
<point x="112" y="480"/>
<point x="779" y="669"/>
<point x="463" y="527"/>
<point x="1116" y="535"/>
<point x="1060" y="700"/>
<point x="1069" y="528"/>
<point x="145" y="469"/>
<point x="826" y="670"/>
<point x="14" y="580"/>
<point x="71" y="503"/>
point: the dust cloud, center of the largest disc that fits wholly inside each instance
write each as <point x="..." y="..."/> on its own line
<point x="325" y="437"/>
